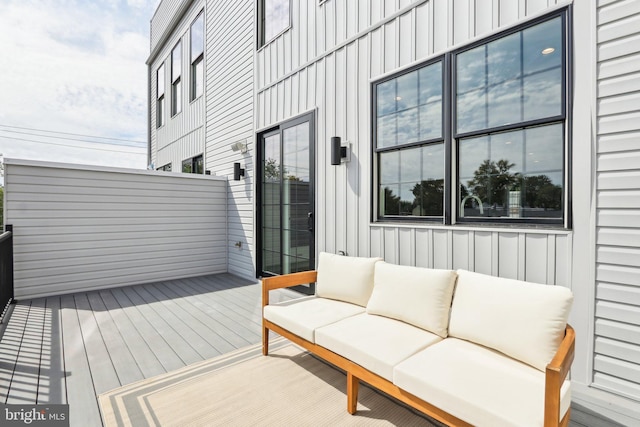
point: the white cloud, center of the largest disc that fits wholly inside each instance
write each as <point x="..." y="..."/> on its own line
<point x="75" y="66"/>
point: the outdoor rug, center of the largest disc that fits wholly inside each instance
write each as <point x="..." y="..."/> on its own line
<point x="290" y="387"/>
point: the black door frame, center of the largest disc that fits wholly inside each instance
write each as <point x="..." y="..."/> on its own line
<point x="279" y="129"/>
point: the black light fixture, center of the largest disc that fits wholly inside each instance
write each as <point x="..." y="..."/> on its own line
<point x="237" y="171"/>
<point x="338" y="152"/>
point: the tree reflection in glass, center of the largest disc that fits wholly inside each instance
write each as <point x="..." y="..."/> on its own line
<point x="512" y="174"/>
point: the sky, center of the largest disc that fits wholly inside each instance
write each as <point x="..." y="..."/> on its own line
<point x="73" y="77"/>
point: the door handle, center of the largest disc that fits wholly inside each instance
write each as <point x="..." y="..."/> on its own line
<point x="310" y="221"/>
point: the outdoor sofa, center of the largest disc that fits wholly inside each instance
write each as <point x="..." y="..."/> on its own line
<point x="462" y="347"/>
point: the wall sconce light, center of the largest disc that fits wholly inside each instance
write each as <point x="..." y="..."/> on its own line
<point x="237" y="171"/>
<point x="339" y="152"/>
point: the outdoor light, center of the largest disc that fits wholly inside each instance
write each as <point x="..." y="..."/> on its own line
<point x="237" y="171"/>
<point x="548" y="50"/>
<point x="338" y="151"/>
<point x="239" y="146"/>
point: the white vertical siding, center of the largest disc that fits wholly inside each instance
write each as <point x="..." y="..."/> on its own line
<point x="617" y="343"/>
<point x="333" y="78"/>
<point x="229" y="52"/>
<point x="81" y="229"/>
<point x="183" y="135"/>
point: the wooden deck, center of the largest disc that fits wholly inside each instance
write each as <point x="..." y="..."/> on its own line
<point x="69" y="349"/>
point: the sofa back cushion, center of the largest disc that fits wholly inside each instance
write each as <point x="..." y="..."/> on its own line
<point x="418" y="296"/>
<point x="520" y="319"/>
<point x="345" y="278"/>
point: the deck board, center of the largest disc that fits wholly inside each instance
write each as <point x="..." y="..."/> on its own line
<point x="69" y="349"/>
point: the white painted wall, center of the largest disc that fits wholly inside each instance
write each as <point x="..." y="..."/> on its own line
<point x="80" y="228"/>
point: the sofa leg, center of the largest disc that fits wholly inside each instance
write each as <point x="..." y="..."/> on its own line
<point x="352" y="393"/>
<point x="265" y="341"/>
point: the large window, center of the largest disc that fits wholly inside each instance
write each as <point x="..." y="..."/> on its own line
<point x="176" y="81"/>
<point x="193" y="165"/>
<point x="160" y="96"/>
<point x="197" y="57"/>
<point x="492" y="150"/>
<point x="273" y="19"/>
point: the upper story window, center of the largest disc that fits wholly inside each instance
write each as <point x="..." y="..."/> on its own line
<point x="165" y="168"/>
<point x="273" y="18"/>
<point x="176" y="81"/>
<point x="193" y="165"/>
<point x="197" y="57"/>
<point x="499" y="155"/>
<point x="160" y="96"/>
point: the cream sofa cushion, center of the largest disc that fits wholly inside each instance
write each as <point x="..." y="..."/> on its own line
<point x="524" y="320"/>
<point x="478" y="385"/>
<point x="418" y="296"/>
<point x="303" y="315"/>
<point x="374" y="342"/>
<point x="344" y="278"/>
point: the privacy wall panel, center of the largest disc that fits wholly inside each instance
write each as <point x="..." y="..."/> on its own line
<point x="78" y="229"/>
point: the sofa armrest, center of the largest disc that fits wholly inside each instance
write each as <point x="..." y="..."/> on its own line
<point x="556" y="372"/>
<point x="286" y="281"/>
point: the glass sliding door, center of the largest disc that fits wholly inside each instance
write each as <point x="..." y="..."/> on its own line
<point x="286" y="200"/>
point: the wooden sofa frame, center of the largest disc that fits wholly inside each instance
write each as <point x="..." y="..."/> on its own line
<point x="556" y="371"/>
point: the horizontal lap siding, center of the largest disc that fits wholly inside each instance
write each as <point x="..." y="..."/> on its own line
<point x="617" y="328"/>
<point x="80" y="229"/>
<point x="229" y="52"/>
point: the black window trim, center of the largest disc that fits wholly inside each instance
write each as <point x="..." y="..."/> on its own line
<point x="200" y="58"/>
<point x="451" y="138"/>
<point x="260" y="36"/>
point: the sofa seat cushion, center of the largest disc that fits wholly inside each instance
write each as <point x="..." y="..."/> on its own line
<point x="374" y="342"/>
<point x="345" y="278"/>
<point x="477" y="385"/>
<point x="418" y="296"/>
<point x="524" y="320"/>
<point x="302" y="316"/>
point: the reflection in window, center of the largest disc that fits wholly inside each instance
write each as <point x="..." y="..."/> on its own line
<point x="514" y="174"/>
<point x="512" y="83"/>
<point x="160" y="96"/>
<point x="193" y="165"/>
<point x="409" y="140"/>
<point x="197" y="57"/>
<point x="505" y="132"/>
<point x="274" y="18"/>
<point x="514" y="79"/>
<point x="176" y="83"/>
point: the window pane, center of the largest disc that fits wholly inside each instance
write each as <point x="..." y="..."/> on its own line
<point x="187" y="166"/>
<point x="510" y="80"/>
<point x="198" y="79"/>
<point x="160" y="81"/>
<point x="176" y="63"/>
<point x="409" y="107"/>
<point x="512" y="174"/>
<point x="176" y="99"/>
<point x="198" y="165"/>
<point x="160" y="112"/>
<point x="412" y="181"/>
<point x="276" y="17"/>
<point x="197" y="37"/>
<point x="430" y="88"/>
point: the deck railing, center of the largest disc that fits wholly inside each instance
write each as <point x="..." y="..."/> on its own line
<point x="6" y="271"/>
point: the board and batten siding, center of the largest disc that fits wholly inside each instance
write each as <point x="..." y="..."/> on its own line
<point x="182" y="136"/>
<point x="617" y="307"/>
<point x="229" y="52"/>
<point x="326" y="62"/>
<point x="79" y="228"/>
